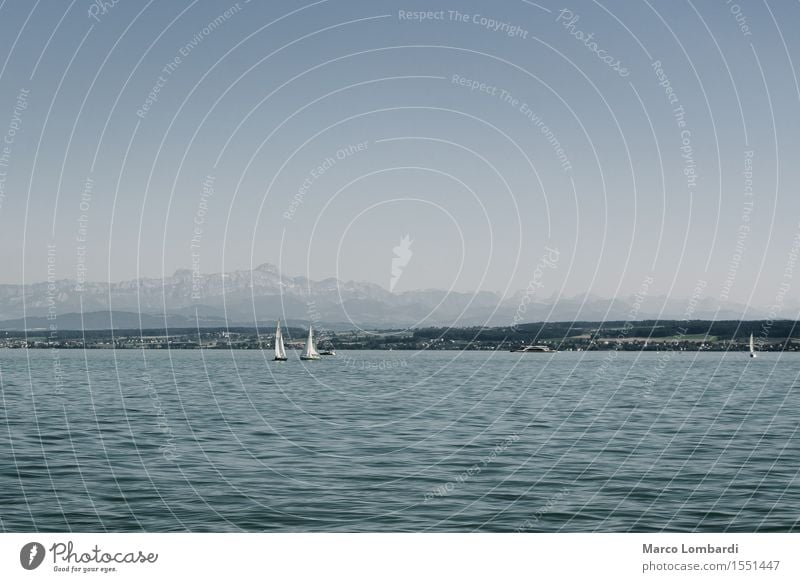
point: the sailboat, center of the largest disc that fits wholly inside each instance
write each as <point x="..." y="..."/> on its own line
<point x="310" y="352"/>
<point x="752" y="347"/>
<point x="280" y="350"/>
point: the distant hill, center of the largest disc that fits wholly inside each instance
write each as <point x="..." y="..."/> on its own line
<point x="262" y="295"/>
<point x="107" y="320"/>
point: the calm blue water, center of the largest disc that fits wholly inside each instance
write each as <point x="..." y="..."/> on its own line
<point x="399" y="441"/>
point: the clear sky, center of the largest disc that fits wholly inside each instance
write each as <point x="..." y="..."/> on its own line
<point x="639" y="139"/>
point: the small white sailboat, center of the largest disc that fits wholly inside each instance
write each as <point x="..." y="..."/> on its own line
<point x="310" y="353"/>
<point x="752" y="347"/>
<point x="280" y="350"/>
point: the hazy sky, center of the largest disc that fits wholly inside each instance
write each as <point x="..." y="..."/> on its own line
<point x="141" y="138"/>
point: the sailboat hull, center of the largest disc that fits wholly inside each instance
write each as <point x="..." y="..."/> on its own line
<point x="279" y="359"/>
<point x="310" y="358"/>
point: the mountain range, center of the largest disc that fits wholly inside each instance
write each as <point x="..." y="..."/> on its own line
<point x="264" y="294"/>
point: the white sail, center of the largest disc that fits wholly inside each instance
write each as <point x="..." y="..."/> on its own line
<point x="310" y="352"/>
<point x="752" y="347"/>
<point x="280" y="350"/>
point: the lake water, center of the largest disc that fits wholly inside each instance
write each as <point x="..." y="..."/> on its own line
<point x="399" y="441"/>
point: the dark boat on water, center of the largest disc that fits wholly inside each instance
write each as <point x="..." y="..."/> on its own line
<point x="533" y="349"/>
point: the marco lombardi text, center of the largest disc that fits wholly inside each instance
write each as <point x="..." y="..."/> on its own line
<point x="684" y="549"/>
